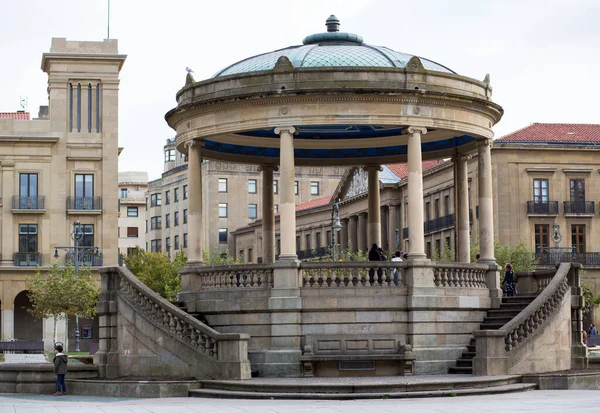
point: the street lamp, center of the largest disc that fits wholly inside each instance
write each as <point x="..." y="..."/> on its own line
<point x="77" y="253"/>
<point x="335" y="226"/>
<point x="397" y="239"/>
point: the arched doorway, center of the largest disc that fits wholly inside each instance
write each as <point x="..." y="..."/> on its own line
<point x="26" y="326"/>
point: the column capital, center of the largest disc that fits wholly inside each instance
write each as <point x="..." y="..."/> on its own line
<point x="272" y="168"/>
<point x="417" y="129"/>
<point x="484" y="142"/>
<point x="461" y="158"/>
<point x="290" y="129"/>
<point x="372" y="167"/>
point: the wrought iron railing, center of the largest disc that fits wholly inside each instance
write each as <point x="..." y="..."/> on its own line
<point x="552" y="258"/>
<point x="90" y="259"/>
<point x="439" y="224"/>
<point x="28" y="202"/>
<point x="84" y="203"/>
<point x="315" y="253"/>
<point x="27" y="259"/>
<point x="549" y="207"/>
<point x="579" y="207"/>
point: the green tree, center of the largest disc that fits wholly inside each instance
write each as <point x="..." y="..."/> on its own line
<point x="157" y="271"/>
<point x="520" y="255"/>
<point x="214" y="257"/>
<point x="59" y="293"/>
<point x="591" y="300"/>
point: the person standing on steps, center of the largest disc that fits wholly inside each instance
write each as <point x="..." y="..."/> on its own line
<point x="60" y="368"/>
<point x="509" y="280"/>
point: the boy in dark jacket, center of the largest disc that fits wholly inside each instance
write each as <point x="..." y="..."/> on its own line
<point x="60" y="368"/>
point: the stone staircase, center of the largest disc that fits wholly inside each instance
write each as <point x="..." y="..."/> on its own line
<point x="494" y="320"/>
<point x="197" y="316"/>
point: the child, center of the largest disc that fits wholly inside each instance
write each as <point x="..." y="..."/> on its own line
<point x="60" y="368"/>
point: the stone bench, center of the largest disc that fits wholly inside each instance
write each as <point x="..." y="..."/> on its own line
<point x="356" y="355"/>
<point x="22" y="346"/>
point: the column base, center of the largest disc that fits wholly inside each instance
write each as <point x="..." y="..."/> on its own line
<point x="417" y="256"/>
<point x="288" y="257"/>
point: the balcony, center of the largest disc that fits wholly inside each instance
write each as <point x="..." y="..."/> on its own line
<point x="587" y="208"/>
<point x="316" y="253"/>
<point x="27" y="259"/>
<point x="87" y="205"/>
<point x="542" y="208"/>
<point x="551" y="258"/>
<point x="28" y="204"/>
<point x="89" y="260"/>
<point x="439" y="224"/>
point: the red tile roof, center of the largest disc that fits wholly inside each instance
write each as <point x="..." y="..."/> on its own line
<point x="313" y="203"/>
<point x="15" y="115"/>
<point x="401" y="169"/>
<point x="566" y="133"/>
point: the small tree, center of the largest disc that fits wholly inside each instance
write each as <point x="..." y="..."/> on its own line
<point x="157" y="271"/>
<point x="520" y="256"/>
<point x="60" y="293"/>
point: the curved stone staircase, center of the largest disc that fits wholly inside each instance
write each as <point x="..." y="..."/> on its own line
<point x="494" y="320"/>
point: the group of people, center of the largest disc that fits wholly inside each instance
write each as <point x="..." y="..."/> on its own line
<point x="378" y="254"/>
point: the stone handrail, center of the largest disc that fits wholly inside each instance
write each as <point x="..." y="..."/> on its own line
<point x="227" y="349"/>
<point x="353" y="274"/>
<point x="457" y="275"/>
<point x="236" y="276"/>
<point x="538" y="311"/>
<point x="533" y="282"/>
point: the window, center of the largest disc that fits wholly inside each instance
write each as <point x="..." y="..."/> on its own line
<point x="222" y="235"/>
<point x="447" y="243"/>
<point x="250" y="255"/>
<point x="308" y="247"/>
<point x="328" y="234"/>
<point x="155" y="223"/>
<point x="28" y="238"/>
<point x="88" y="235"/>
<point x="578" y="237"/>
<point x="123" y="192"/>
<point x="222" y="210"/>
<point x="428" y="213"/>
<point x="428" y="249"/>
<point x="252" y="211"/>
<point x="251" y="186"/>
<point x="156" y="245"/>
<point x="222" y="184"/>
<point x="155" y="200"/>
<point x="168" y="244"/>
<point x="146" y="229"/>
<point x="275" y="186"/>
<point x="146" y="204"/>
<point x="132" y="211"/>
<point x="84" y="191"/>
<point x="132" y="232"/>
<point x="176" y="219"/>
<point x="168" y="221"/>
<point x="176" y="195"/>
<point x="176" y="242"/>
<point x="447" y="204"/>
<point x="314" y="188"/>
<point x="185" y="192"/>
<point x="28" y="191"/>
<point x="276" y="208"/>
<point x="436" y="207"/>
<point x="540" y="191"/>
<point x="170" y="155"/>
<point x="185" y="216"/>
<point x="438" y="247"/>
<point x="578" y="196"/>
<point x="295" y="187"/>
<point x="184" y="240"/>
<point x="542" y="237"/>
<point x="279" y="247"/>
<point x="167" y="197"/>
<point x="298" y="246"/>
<point x="318" y="241"/>
<point x="241" y="255"/>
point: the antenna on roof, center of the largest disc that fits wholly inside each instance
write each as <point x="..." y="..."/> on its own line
<point x="108" y="22"/>
<point x="23" y="102"/>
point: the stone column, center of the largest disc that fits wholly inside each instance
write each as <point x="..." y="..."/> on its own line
<point x="374" y="213"/>
<point x="287" y="199"/>
<point x="392" y="227"/>
<point x="416" y="234"/>
<point x="195" y="229"/>
<point x="8" y="190"/>
<point x="353" y="233"/>
<point x="385" y="240"/>
<point x="268" y="215"/>
<point x="361" y="232"/>
<point x="486" y="216"/>
<point x="344" y="234"/>
<point x="462" y="208"/>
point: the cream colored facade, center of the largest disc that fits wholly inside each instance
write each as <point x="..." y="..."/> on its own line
<point x="132" y="210"/>
<point x="57" y="169"/>
<point x="233" y="199"/>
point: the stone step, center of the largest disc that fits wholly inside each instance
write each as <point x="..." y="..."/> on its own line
<point x="291" y="394"/>
<point x="513" y="306"/>
<point x="464" y="363"/>
<point x="491" y="326"/>
<point x="497" y="319"/>
<point x="467" y="355"/>
<point x="460" y="369"/>
<point x="471" y="347"/>
<point x="519" y="299"/>
<point x="503" y="312"/>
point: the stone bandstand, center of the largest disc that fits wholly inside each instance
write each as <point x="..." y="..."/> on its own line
<point x="334" y="100"/>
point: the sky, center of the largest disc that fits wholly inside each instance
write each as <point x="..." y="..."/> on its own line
<point x="542" y="55"/>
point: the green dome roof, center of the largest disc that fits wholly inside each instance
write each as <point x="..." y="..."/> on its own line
<point x="330" y="49"/>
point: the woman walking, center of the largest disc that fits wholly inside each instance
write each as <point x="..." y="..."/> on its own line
<point x="509" y="280"/>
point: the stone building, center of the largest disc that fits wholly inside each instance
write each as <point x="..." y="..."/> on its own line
<point x="232" y="199"/>
<point x="132" y="205"/>
<point x="57" y="169"/>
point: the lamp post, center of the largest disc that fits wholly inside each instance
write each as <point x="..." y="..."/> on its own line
<point x="397" y="239"/>
<point x="335" y="225"/>
<point x="77" y="252"/>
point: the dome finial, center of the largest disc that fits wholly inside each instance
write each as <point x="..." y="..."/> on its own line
<point x="333" y="24"/>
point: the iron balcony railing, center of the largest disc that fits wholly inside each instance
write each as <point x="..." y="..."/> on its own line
<point x="28" y="202"/>
<point x="549" y="207"/>
<point x="579" y="207"/>
<point x="438" y="224"/>
<point x="27" y="259"/>
<point x="584" y="258"/>
<point x="316" y="253"/>
<point x="90" y="259"/>
<point x="84" y="203"/>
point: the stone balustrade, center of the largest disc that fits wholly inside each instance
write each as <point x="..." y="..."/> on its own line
<point x="352" y="274"/>
<point x="236" y="276"/>
<point x="457" y="275"/>
<point x="533" y="282"/>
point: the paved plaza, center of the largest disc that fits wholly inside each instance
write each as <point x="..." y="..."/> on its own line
<point x="534" y="401"/>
